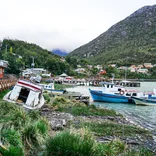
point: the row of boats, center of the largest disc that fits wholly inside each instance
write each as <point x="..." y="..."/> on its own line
<point x="110" y="92"/>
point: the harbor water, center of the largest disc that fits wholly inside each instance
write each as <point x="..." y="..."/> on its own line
<point x="144" y="116"/>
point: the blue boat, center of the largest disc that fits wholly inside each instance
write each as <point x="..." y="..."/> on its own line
<point x="109" y="92"/>
<point x="99" y="96"/>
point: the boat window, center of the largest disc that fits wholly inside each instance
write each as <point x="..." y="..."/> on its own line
<point x="23" y="95"/>
<point x="128" y="94"/>
<point x="108" y="86"/>
<point x="134" y="94"/>
<point x="111" y="86"/>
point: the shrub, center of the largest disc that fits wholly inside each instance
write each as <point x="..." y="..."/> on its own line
<point x="69" y="144"/>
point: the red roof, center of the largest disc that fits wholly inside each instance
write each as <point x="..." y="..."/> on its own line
<point x="102" y="72"/>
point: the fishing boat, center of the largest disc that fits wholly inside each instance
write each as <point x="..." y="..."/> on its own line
<point x="50" y="88"/>
<point x="26" y="94"/>
<point x="109" y="92"/>
<point x="146" y="98"/>
<point x="144" y="101"/>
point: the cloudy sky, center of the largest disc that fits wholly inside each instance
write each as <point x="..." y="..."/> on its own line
<point x="64" y="24"/>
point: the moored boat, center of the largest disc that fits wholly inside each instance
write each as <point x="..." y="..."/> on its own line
<point x="144" y="101"/>
<point x="50" y="88"/>
<point x="109" y="92"/>
<point x="26" y="94"/>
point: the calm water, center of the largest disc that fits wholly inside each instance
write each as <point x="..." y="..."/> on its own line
<point x="144" y="116"/>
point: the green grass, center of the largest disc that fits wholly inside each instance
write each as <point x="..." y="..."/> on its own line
<point x="77" y="108"/>
<point x="87" y="111"/>
<point x="67" y="144"/>
<point x="82" y="144"/>
<point x="26" y="130"/>
<point x="3" y="93"/>
<point x="113" y="129"/>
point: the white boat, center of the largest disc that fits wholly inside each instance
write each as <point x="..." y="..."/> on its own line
<point x="146" y="99"/>
<point x="26" y="94"/>
<point x="50" y="88"/>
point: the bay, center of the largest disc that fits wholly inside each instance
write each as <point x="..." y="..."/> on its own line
<point x="144" y="116"/>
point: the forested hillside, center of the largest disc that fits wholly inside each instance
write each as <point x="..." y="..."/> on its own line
<point x="133" y="38"/>
<point x="19" y="54"/>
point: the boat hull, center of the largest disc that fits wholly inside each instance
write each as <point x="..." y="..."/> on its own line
<point x="99" y="96"/>
<point x="145" y="102"/>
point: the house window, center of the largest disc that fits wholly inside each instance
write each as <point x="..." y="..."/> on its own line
<point x="0" y="70"/>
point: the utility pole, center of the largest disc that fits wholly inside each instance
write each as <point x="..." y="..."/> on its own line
<point x="32" y="64"/>
<point x="6" y="48"/>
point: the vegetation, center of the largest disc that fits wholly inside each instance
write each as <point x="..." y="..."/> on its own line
<point x="21" y="131"/>
<point x="28" y="133"/>
<point x="19" y="54"/>
<point x="78" y="109"/>
<point x="133" y="37"/>
<point x="113" y="129"/>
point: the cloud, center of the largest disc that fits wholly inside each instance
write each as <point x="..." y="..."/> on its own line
<point x="62" y="24"/>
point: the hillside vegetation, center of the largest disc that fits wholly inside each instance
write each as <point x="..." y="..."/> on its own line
<point x="20" y="55"/>
<point x="134" y="37"/>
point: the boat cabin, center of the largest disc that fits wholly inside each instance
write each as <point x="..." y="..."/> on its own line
<point x="27" y="93"/>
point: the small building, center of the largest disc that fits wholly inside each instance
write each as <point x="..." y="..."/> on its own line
<point x="144" y="71"/>
<point x="3" y="65"/>
<point x="148" y="65"/>
<point x="99" y="67"/>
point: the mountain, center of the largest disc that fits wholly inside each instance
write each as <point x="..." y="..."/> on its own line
<point x="132" y="39"/>
<point x="60" y="52"/>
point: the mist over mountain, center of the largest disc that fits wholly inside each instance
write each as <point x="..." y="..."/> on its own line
<point x="60" y="52"/>
<point x="133" y="38"/>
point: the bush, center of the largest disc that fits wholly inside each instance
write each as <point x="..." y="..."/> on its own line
<point x="69" y="144"/>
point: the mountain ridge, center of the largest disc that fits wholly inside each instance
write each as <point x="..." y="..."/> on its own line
<point x="130" y="37"/>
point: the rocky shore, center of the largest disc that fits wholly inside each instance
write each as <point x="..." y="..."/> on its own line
<point x="61" y="121"/>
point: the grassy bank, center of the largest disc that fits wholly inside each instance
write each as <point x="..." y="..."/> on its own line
<point x="29" y="133"/>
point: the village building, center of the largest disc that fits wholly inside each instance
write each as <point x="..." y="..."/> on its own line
<point x="80" y="70"/>
<point x="148" y="65"/>
<point x="3" y="65"/>
<point x="99" y="67"/>
<point x="112" y="65"/>
<point x="143" y="71"/>
<point x="132" y="68"/>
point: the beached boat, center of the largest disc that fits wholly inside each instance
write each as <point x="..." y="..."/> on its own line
<point x="26" y="94"/>
<point x="109" y="92"/>
<point x="50" y="88"/>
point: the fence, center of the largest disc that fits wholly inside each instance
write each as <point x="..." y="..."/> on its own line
<point x="6" y="84"/>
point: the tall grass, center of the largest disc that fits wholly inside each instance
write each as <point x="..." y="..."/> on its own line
<point x="26" y="130"/>
<point x="69" y="144"/>
<point x="113" y="129"/>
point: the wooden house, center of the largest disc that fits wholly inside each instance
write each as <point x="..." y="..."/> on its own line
<point x="3" y="65"/>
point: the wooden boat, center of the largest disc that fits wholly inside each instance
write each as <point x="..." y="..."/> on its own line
<point x="50" y="88"/>
<point x="144" y="101"/>
<point x="26" y="94"/>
